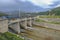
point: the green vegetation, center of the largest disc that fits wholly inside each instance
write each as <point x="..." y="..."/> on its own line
<point x="39" y="20"/>
<point x="2" y="14"/>
<point x="9" y="36"/>
<point x="55" y="11"/>
<point x="54" y="22"/>
<point x="46" y="16"/>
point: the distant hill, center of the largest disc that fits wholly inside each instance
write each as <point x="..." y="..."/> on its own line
<point x="23" y="14"/>
<point x="55" y="11"/>
<point x="16" y="13"/>
<point x="3" y="14"/>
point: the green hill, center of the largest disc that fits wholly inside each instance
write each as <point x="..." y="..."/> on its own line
<point x="55" y="11"/>
<point x="3" y="14"/>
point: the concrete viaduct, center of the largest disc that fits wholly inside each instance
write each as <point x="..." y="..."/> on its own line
<point x="16" y="24"/>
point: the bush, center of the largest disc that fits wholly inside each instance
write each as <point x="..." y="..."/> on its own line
<point x="9" y="36"/>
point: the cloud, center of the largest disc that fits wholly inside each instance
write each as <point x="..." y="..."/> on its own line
<point x="58" y="6"/>
<point x="43" y="3"/>
<point x="7" y="2"/>
<point x="23" y="0"/>
<point x="28" y="4"/>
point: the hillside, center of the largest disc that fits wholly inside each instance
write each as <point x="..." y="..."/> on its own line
<point x="3" y="14"/>
<point x="55" y="11"/>
<point x="23" y="14"/>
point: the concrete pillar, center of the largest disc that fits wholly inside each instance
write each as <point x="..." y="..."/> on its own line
<point x="15" y="27"/>
<point x="29" y="23"/>
<point x="24" y="24"/>
<point x="18" y="27"/>
<point x="3" y="25"/>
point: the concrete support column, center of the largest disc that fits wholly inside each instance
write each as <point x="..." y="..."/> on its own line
<point x="29" y="23"/>
<point x="15" y="27"/>
<point x="18" y="27"/>
<point x="24" y="24"/>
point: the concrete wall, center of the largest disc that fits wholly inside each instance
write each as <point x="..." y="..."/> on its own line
<point x="3" y="26"/>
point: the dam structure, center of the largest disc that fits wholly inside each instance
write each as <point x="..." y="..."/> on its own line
<point x="16" y="24"/>
<point x="28" y="28"/>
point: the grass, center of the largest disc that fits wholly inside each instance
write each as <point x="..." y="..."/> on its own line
<point x="54" y="22"/>
<point x="9" y="36"/>
<point x="47" y="16"/>
<point x="39" y="20"/>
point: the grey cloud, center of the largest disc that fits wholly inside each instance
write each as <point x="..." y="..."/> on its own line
<point x="25" y="6"/>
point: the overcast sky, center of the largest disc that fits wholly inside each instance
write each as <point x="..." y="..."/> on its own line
<point x="44" y="3"/>
<point x="15" y="4"/>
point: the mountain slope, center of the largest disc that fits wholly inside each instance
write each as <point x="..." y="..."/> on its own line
<point x="3" y="14"/>
<point x="55" y="11"/>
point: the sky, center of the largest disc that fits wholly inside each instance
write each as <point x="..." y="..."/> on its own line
<point x="44" y="3"/>
<point x="35" y="5"/>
